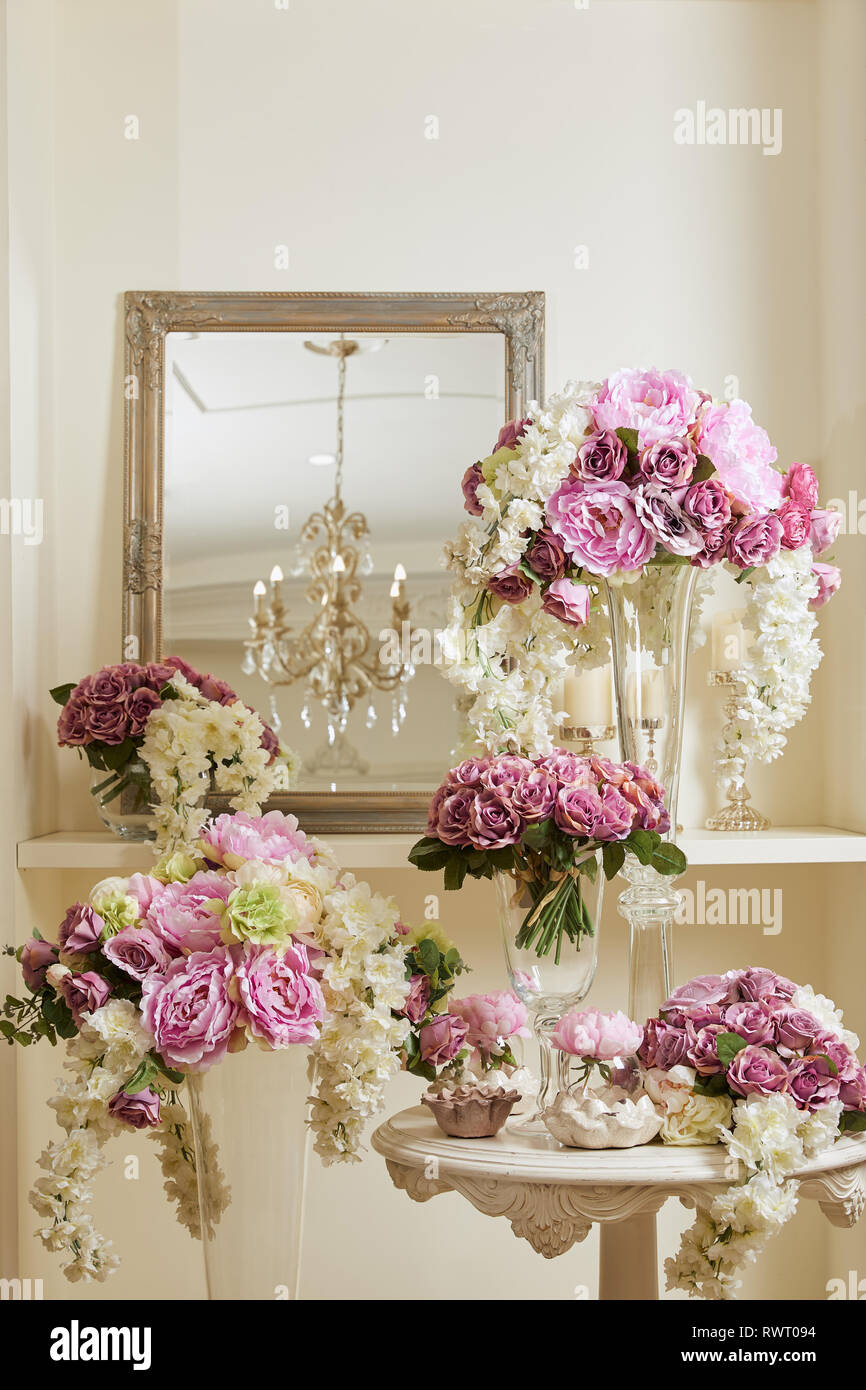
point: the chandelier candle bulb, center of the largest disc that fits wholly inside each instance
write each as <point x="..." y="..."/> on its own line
<point x="259" y="592"/>
<point x="400" y="574"/>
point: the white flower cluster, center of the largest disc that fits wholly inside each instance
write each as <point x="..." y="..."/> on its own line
<point x="100" y="1058"/>
<point x="778" y="667"/>
<point x="187" y="738"/>
<point x="773" y="1139"/>
<point x="177" y="1160"/>
<point x="358" y="1050"/>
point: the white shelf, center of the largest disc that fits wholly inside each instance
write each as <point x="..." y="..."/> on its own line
<point x="790" y="844"/>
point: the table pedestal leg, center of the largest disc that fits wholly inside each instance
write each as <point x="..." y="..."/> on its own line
<point x="628" y="1267"/>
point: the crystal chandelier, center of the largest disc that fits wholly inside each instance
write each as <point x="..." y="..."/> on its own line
<point x="334" y="654"/>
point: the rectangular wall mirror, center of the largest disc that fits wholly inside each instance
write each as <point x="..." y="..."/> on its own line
<point x="292" y="470"/>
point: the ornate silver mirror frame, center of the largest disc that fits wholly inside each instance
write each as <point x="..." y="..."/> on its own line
<point x="149" y="316"/>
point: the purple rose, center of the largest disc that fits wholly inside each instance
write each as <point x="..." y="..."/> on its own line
<point x="615" y="818"/>
<point x="755" y="540"/>
<point x="418" y="998"/>
<point x="801" y="483"/>
<point x="472" y="480"/>
<point x="281" y="1000"/>
<point x="828" y="577"/>
<point x="440" y="1040"/>
<point x="108" y="724"/>
<point x="454" y="824"/>
<point x="701" y="1050"/>
<point x="569" y="769"/>
<point x="714" y="549"/>
<point x="599" y="526"/>
<point x="759" y="983"/>
<point x="661" y="514"/>
<point x="853" y="1093"/>
<point x="140" y="1110"/>
<point x="81" y="930"/>
<point x="72" y="726"/>
<point x="794" y="518"/>
<point x="109" y="686"/>
<point x="511" y="433"/>
<point x="510" y="585"/>
<point x="812" y="1082"/>
<point x="140" y="706"/>
<point x="663" y="1045"/>
<point x="707" y="505"/>
<point x="546" y="557"/>
<point x="703" y="989"/>
<point x="36" y="956"/>
<point x="601" y="458"/>
<point x="137" y="951"/>
<point x="190" y="1011"/>
<point x="823" y="529"/>
<point x="577" y="810"/>
<point x="535" y="795"/>
<point x="756" y="1071"/>
<point x="668" y="462"/>
<point x="752" y="1021"/>
<point x="493" y="822"/>
<point x="212" y="688"/>
<point x="796" y="1030"/>
<point x="647" y="812"/>
<point x="187" y="916"/>
<point x="843" y="1059"/>
<point x="84" y="993"/>
<point x="568" y="602"/>
<point x="470" y="772"/>
<point x="702" y="1015"/>
<point x="503" y="773"/>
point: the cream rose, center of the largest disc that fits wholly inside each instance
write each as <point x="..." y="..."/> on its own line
<point x="699" y="1121"/>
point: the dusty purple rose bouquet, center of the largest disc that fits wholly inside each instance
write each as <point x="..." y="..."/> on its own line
<point x="767" y="1067"/>
<point x="548" y="822"/>
<point x="256" y="938"/>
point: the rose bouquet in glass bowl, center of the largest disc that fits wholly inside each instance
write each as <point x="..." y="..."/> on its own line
<point x="548" y="830"/>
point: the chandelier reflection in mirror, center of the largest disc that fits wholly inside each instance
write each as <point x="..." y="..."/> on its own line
<point x="334" y="653"/>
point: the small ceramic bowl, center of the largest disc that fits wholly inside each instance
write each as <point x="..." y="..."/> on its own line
<point x="470" y="1112"/>
<point x="609" y="1119"/>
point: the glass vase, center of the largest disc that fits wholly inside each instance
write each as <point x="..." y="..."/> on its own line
<point x="123" y="799"/>
<point x="249" y="1119"/>
<point x="649" y="629"/>
<point x="552" y="982"/>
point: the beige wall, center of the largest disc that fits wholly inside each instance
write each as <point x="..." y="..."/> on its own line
<point x="261" y="126"/>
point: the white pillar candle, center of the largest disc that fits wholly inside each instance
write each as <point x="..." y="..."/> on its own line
<point x="652" y="694"/>
<point x="586" y="697"/>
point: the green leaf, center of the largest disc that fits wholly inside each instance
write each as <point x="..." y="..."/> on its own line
<point x="628" y="437"/>
<point x="115" y="757"/>
<point x="744" y="574"/>
<point x="455" y="873"/>
<point x="140" y="1078"/>
<point x="174" y="1076"/>
<point x="704" y="468"/>
<point x="852" y="1121"/>
<point x="7" y="1028"/>
<point x="727" y="1047"/>
<point x="711" y="1085"/>
<point x="613" y="858"/>
<point x="642" y="843"/>
<point x="669" y="859"/>
<point x="427" y="954"/>
<point x="536" y="836"/>
<point x="834" y="1070"/>
<point x="61" y="693"/>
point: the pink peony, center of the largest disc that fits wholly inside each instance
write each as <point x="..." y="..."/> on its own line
<point x="281" y="1002"/>
<point x="187" y="916"/>
<point x="491" y="1019"/>
<point x="440" y="1040"/>
<point x="231" y="840"/>
<point x="144" y="889"/>
<point x="568" y="602"/>
<point x="659" y="405"/>
<point x="742" y="454"/>
<point x="599" y="527"/>
<point x="190" y="1011"/>
<point x="829" y="578"/>
<point x="591" y="1033"/>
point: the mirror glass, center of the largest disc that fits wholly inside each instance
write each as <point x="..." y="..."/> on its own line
<point x="251" y="446"/>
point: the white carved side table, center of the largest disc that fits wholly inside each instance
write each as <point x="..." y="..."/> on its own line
<point x="552" y="1195"/>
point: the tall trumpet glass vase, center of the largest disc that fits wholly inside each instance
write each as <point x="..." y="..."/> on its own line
<point x="550" y="983"/>
<point x="249" y="1116"/>
<point x="649" y="627"/>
